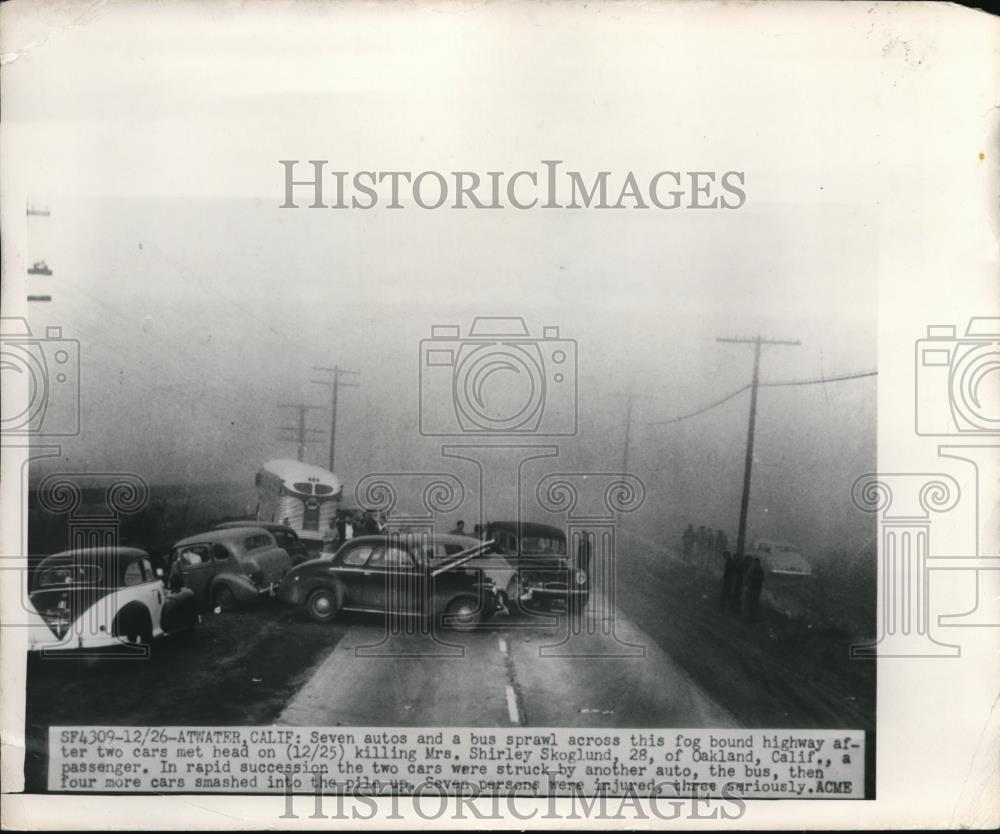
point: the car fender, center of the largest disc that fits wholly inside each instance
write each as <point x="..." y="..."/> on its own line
<point x="125" y="615"/>
<point x="297" y="591"/>
<point x="241" y="586"/>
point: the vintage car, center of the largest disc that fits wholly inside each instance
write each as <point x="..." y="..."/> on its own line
<point x="227" y="567"/>
<point x="397" y="574"/>
<point x="287" y="539"/>
<point x="94" y="598"/>
<point x="782" y="559"/>
<point x="545" y="577"/>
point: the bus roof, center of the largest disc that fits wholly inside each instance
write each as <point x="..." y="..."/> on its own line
<point x="295" y="470"/>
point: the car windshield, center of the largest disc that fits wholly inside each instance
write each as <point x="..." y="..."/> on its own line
<point x="62" y="575"/>
<point x="543" y="544"/>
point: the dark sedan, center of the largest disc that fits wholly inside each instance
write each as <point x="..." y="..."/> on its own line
<point x="397" y="574"/>
<point x="546" y="577"/>
<point x="287" y="539"/>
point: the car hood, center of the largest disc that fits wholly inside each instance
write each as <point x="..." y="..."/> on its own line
<point x="462" y="558"/>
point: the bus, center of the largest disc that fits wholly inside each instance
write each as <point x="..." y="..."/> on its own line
<point x="299" y="495"/>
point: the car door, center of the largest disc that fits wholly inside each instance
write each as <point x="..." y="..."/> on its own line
<point x="351" y="568"/>
<point x="394" y="582"/>
<point x="197" y="569"/>
<point x="156" y="592"/>
<point x="140" y="584"/>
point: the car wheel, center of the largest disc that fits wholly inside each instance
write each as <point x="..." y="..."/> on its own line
<point x="323" y="605"/>
<point x="463" y="614"/>
<point x="134" y="627"/>
<point x="224" y="598"/>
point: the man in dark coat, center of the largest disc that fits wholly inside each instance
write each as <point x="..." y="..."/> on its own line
<point x="740" y="571"/>
<point x="728" y="572"/>
<point x="755" y="584"/>
<point x="721" y="542"/>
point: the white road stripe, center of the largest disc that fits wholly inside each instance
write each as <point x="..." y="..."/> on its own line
<point x="503" y="645"/>
<point x="512" y="706"/>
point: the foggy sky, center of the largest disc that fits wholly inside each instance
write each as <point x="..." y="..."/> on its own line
<point x="200" y="305"/>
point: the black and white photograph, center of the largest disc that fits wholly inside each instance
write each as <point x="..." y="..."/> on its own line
<point x="495" y="401"/>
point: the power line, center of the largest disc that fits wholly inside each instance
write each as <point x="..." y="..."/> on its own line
<point x="717" y="403"/>
<point x="629" y="399"/>
<point x="820" y="380"/>
<point x="335" y="384"/>
<point x="738" y="391"/>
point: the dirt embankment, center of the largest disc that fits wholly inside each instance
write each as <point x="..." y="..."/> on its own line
<point x="773" y="671"/>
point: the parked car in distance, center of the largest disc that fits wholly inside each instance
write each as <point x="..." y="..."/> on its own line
<point x="225" y="568"/>
<point x="545" y="577"/>
<point x="287" y="539"/>
<point x="397" y="574"/>
<point x="94" y="598"/>
<point x="781" y="558"/>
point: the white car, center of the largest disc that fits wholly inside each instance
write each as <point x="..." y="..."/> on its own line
<point x="94" y="598"/>
<point x="781" y="558"/>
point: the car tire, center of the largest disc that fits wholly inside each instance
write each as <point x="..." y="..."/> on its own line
<point x="134" y="627"/>
<point x="323" y="604"/>
<point x="463" y="613"/>
<point x="224" y="598"/>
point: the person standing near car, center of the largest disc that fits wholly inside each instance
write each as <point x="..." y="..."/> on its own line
<point x="728" y="575"/>
<point x="175" y="578"/>
<point x="345" y="528"/>
<point x="755" y="585"/>
<point x="701" y="543"/>
<point x="742" y="582"/>
<point x="721" y="543"/>
<point x="736" y="588"/>
<point x="459" y="529"/>
<point x="331" y="536"/>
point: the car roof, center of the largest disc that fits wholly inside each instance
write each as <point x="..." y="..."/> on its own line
<point x="232" y="534"/>
<point x="465" y="542"/>
<point x="527" y="528"/>
<point x="270" y="526"/>
<point x="94" y="555"/>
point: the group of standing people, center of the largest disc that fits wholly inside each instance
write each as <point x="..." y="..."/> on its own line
<point x="344" y="526"/>
<point x="742" y="584"/>
<point x="701" y="544"/>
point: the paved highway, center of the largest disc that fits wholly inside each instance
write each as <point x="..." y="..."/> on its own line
<point x="513" y="672"/>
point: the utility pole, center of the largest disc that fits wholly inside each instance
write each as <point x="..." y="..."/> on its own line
<point x="757" y="342"/>
<point x="629" y="398"/>
<point x="299" y="432"/>
<point x="334" y="385"/>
